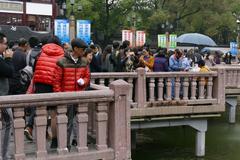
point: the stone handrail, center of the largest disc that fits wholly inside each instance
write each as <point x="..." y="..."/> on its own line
<point x="171" y="93"/>
<point x="112" y="122"/>
<point x="231" y="75"/>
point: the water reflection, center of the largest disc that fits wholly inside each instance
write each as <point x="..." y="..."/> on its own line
<point x="178" y="143"/>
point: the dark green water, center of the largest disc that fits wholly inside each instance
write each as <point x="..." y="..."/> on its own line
<point x="178" y="143"/>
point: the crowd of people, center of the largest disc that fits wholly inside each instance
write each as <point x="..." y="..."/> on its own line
<point x="56" y="67"/>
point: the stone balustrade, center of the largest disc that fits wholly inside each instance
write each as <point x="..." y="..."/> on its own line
<point x="171" y="93"/>
<point x="111" y="123"/>
<point x="231" y="75"/>
<point x="104" y="113"/>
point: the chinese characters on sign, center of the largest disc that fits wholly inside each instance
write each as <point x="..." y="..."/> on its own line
<point x="162" y="41"/>
<point x="11" y="7"/>
<point x="140" y="38"/>
<point x="84" y="30"/>
<point x="127" y="35"/>
<point x="61" y="29"/>
<point x="172" y="41"/>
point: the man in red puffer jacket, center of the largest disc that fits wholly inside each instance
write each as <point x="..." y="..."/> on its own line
<point x="43" y="79"/>
<point x="72" y="74"/>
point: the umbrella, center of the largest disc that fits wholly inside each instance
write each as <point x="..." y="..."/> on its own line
<point x="196" y="39"/>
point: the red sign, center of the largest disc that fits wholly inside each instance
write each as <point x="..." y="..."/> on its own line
<point x="127" y="35"/>
<point x="140" y="38"/>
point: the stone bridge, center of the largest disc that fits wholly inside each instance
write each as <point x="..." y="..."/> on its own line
<point x="107" y="113"/>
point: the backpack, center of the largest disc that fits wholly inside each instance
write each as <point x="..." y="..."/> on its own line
<point x="26" y="73"/>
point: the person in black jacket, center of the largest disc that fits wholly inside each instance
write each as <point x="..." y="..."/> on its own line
<point x="95" y="65"/>
<point x="6" y="71"/>
<point x="19" y="62"/>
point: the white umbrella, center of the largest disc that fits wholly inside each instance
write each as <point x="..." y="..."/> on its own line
<point x="196" y="39"/>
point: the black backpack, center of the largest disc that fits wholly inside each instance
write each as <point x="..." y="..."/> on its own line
<point x="26" y="73"/>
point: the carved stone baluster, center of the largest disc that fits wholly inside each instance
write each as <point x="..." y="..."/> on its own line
<point x="111" y="80"/>
<point x="19" y="125"/>
<point x="151" y="89"/>
<point x="92" y="81"/>
<point x="160" y="89"/>
<point x="62" y="129"/>
<point x="193" y="88"/>
<point x="185" y="88"/>
<point x="201" y="88"/>
<point x="177" y="88"/>
<point x="90" y="117"/>
<point x="41" y="123"/>
<point x="102" y="82"/>
<point x="130" y="81"/>
<point x="101" y="126"/>
<point x="169" y="88"/>
<point x="82" y="119"/>
<point x="209" y="87"/>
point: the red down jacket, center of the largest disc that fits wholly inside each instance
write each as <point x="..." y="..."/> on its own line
<point x="68" y="72"/>
<point x="46" y="63"/>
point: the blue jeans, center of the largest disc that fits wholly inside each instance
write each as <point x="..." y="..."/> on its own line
<point x="173" y="88"/>
<point x="30" y="121"/>
<point x="7" y="122"/>
<point x="71" y="112"/>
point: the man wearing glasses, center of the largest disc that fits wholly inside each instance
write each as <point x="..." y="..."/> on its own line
<point x="6" y="71"/>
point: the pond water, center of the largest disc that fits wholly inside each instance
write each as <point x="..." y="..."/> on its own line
<point x="178" y="143"/>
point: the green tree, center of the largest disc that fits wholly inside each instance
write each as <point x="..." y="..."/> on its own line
<point x="109" y="17"/>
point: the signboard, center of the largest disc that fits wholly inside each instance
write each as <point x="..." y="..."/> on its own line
<point x="140" y="38"/>
<point x="84" y="30"/>
<point x="61" y="29"/>
<point x="33" y="9"/>
<point x="234" y="48"/>
<point x="127" y="35"/>
<point x="11" y="7"/>
<point x="172" y="41"/>
<point x="162" y="41"/>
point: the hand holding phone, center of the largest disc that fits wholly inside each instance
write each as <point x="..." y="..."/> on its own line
<point x="8" y="53"/>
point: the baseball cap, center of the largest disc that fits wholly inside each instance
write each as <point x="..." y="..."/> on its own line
<point x="78" y="43"/>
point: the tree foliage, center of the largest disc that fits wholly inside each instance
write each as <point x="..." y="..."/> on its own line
<point x="211" y="17"/>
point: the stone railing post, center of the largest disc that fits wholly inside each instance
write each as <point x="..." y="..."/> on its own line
<point x="218" y="89"/>
<point x="101" y="125"/>
<point x="19" y="125"/>
<point x="140" y="88"/>
<point x="82" y="119"/>
<point x="119" y="121"/>
<point x="41" y="123"/>
<point x="62" y="121"/>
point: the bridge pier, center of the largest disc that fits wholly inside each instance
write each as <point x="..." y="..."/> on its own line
<point x="231" y="103"/>
<point x="198" y="124"/>
<point x="201" y="127"/>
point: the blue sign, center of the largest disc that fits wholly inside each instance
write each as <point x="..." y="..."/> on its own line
<point x="84" y="30"/>
<point x="234" y="48"/>
<point x="61" y="29"/>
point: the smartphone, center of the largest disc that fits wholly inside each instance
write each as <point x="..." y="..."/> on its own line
<point x="10" y="45"/>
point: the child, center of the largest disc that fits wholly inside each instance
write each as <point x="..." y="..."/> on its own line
<point x="202" y="66"/>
